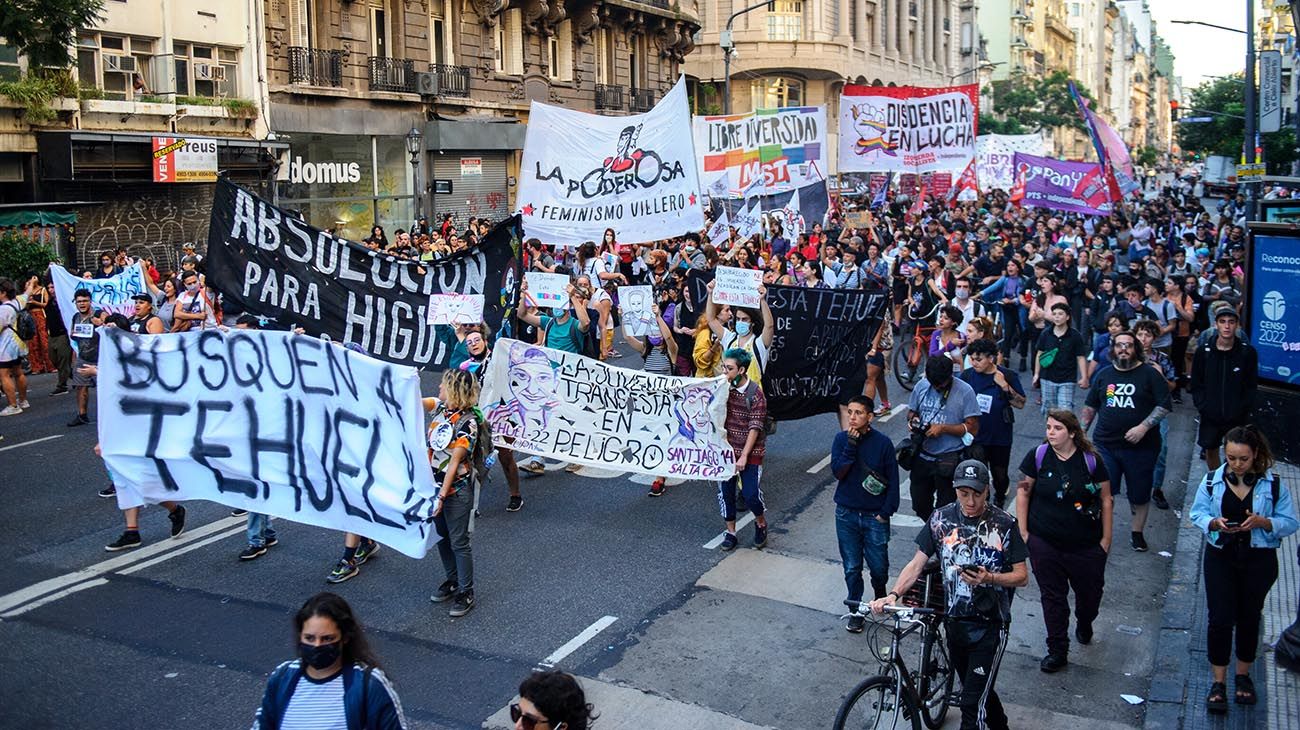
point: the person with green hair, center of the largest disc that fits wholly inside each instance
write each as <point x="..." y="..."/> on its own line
<point x="747" y="434"/>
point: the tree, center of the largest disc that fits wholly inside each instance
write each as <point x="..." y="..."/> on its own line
<point x="1037" y="104"/>
<point x="1223" y="100"/>
<point x="993" y="125"/>
<point x="45" y="30"/>
<point x="1146" y="157"/>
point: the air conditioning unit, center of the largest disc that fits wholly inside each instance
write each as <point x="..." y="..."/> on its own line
<point x="426" y="83"/>
<point x="123" y="64"/>
<point x="209" y="72"/>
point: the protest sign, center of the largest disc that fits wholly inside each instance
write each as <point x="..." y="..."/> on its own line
<point x="548" y="290"/>
<point x="886" y="128"/>
<point x="1074" y="187"/>
<point x="271" y="422"/>
<point x="737" y="287"/>
<point x="783" y="149"/>
<point x="718" y="231"/>
<point x="112" y="295"/>
<point x="274" y="265"/>
<point x="995" y="157"/>
<point x="582" y="173"/>
<point x="857" y="219"/>
<point x="749" y="219"/>
<point x="637" y="305"/>
<point x="565" y="406"/>
<point x="455" y="309"/>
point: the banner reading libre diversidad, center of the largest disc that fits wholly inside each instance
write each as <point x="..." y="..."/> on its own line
<point x="565" y="406"/>
<point x="995" y="158"/>
<point x="271" y="422"/>
<point x="273" y="264"/>
<point x="783" y="148"/>
<point x="907" y="128"/>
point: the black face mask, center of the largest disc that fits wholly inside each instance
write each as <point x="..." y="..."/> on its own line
<point x="320" y="656"/>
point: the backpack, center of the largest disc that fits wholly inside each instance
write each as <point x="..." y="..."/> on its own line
<point x="1089" y="458"/>
<point x="24" y="323"/>
<point x="479" y="465"/>
<point x="588" y="343"/>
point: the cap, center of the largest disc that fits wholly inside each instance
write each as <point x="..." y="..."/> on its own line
<point x="971" y="474"/>
<point x="1223" y="309"/>
<point x="187" y="246"/>
<point x="143" y="298"/>
<point x="954" y="248"/>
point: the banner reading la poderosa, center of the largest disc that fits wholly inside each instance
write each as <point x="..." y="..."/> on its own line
<point x="1075" y="187"/>
<point x="907" y="128"/>
<point x="582" y="173"/>
<point x="271" y="422"/>
<point x="273" y="264"/>
<point x="561" y="405"/>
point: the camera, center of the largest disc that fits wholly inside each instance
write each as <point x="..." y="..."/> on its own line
<point x="907" y="449"/>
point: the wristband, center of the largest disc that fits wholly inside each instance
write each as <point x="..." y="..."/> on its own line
<point x="895" y="595"/>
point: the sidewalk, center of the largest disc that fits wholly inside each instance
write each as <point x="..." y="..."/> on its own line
<point x="1182" y="671"/>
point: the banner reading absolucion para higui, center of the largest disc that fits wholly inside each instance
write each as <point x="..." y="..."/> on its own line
<point x="275" y="265"/>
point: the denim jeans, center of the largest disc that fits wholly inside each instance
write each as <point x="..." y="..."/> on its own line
<point x="259" y="530"/>
<point x="1159" y="477"/>
<point x="452" y="524"/>
<point x="862" y="537"/>
<point x="1057" y="395"/>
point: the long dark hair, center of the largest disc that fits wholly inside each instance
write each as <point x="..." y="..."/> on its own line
<point x="355" y="648"/>
<point x="560" y="698"/>
<point x="1253" y="438"/>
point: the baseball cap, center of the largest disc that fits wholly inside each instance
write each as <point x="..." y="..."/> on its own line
<point x="954" y="248"/>
<point x="143" y="298"/>
<point x="971" y="474"/>
<point x="187" y="246"/>
<point x="1223" y="309"/>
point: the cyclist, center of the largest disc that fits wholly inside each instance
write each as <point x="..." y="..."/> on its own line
<point x="982" y="558"/>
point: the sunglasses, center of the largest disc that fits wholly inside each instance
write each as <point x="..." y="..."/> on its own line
<point x="529" y="722"/>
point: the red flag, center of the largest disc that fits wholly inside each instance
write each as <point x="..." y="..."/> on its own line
<point x="1018" y="187"/>
<point x="967" y="181"/>
<point x="918" y="206"/>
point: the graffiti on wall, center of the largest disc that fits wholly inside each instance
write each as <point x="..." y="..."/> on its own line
<point x="146" y="221"/>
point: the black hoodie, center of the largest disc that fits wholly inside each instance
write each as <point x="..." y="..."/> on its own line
<point x="1224" y="381"/>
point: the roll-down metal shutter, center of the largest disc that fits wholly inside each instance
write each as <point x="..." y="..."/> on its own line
<point x="482" y="195"/>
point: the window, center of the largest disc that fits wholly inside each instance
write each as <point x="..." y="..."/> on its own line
<point x="300" y="23"/>
<point x="440" y="50"/>
<point x="636" y="59"/>
<point x="604" y="56"/>
<point x="510" y="43"/>
<point x="1075" y="10"/>
<point x="774" y="92"/>
<point x="379" y="32"/>
<point x="785" y="20"/>
<point x="853" y="21"/>
<point x="120" y="66"/>
<point x="559" y="53"/>
<point x="9" y="70"/>
<point x="205" y="70"/>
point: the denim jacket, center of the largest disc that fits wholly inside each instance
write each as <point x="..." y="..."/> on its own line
<point x="1209" y="505"/>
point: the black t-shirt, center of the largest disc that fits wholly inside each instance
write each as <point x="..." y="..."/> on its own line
<point x="1068" y="348"/>
<point x="985" y="266"/>
<point x="991" y="541"/>
<point x="995" y="428"/>
<point x="54" y="325"/>
<point x="1065" y="505"/>
<point x="1122" y="399"/>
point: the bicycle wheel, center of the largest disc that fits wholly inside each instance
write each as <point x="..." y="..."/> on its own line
<point x="906" y="374"/>
<point x="876" y="704"/>
<point x="934" y="683"/>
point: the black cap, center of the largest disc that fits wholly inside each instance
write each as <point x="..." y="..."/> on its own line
<point x="142" y="297"/>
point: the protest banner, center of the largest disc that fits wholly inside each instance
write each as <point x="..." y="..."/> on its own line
<point x="737" y="287"/>
<point x="565" y="406"/>
<point x="455" y="309"/>
<point x="274" y="265"/>
<point x="995" y="157"/>
<point x="784" y="149"/>
<point x="637" y="306"/>
<point x="548" y="290"/>
<point x="857" y="219"/>
<point x="112" y="295"/>
<point x="749" y="219"/>
<point x="582" y="173"/>
<point x="271" y="422"/>
<point x="907" y="128"/>
<point x="1074" y="187"/>
<point x="718" y="231"/>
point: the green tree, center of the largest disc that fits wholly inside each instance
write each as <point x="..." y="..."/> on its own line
<point x="1146" y="157"/>
<point x="992" y="125"/>
<point x="45" y="30"/>
<point x="1223" y="100"/>
<point x="20" y="256"/>
<point x="1036" y="104"/>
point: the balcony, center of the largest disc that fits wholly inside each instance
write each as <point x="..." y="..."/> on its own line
<point x="609" y="97"/>
<point x="1057" y="24"/>
<point x="314" y="67"/>
<point x="392" y="74"/>
<point x="452" y="80"/>
<point x="643" y="100"/>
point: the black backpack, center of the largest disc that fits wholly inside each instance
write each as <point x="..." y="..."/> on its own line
<point x="24" y="323"/>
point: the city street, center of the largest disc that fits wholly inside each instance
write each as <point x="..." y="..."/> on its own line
<point x="592" y="576"/>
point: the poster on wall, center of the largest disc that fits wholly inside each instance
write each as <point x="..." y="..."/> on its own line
<point x="184" y="160"/>
<point x="784" y="148"/>
<point x="582" y="173"/>
<point x="907" y="128"/>
<point x="1273" y="306"/>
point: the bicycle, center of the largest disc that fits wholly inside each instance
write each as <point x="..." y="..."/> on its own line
<point x="922" y="696"/>
<point x="911" y="354"/>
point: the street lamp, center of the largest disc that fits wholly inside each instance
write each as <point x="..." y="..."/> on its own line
<point x="728" y="48"/>
<point x="981" y="67"/>
<point x="413" y="143"/>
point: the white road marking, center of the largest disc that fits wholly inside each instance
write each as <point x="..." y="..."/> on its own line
<point x="54" y="597"/>
<point x="33" y="441"/>
<point x="23" y="595"/>
<point x="820" y="465"/>
<point x="740" y="525"/>
<point x="903" y="491"/>
<point x="576" y="642"/>
<point x="181" y="551"/>
<point x="892" y="412"/>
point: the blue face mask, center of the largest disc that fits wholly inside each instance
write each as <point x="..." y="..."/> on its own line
<point x="742" y="327"/>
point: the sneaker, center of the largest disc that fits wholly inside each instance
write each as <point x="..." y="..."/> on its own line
<point x="1083" y="633"/>
<point x="445" y="592"/>
<point x="177" y="518"/>
<point x="1053" y="663"/>
<point x="515" y="504"/>
<point x="59" y="391"/>
<point x="345" y="570"/>
<point x="253" y="552"/>
<point x="1158" y="497"/>
<point x="856" y="624"/>
<point x="729" y="542"/>
<point x="14" y="411"/>
<point x="272" y="541"/>
<point x="365" y="551"/>
<point x="760" y="536"/>
<point x="572" y="468"/>
<point x="238" y="512"/>
<point x="24" y="404"/>
<point x="463" y="603"/>
<point x="79" y="420"/>
<point x="533" y="467"/>
<point x="1139" y="542"/>
<point x="129" y="539"/>
<point x="657" y="488"/>
<point x="109" y="491"/>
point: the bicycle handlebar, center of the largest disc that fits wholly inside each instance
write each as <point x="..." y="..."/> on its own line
<point x="859" y="605"/>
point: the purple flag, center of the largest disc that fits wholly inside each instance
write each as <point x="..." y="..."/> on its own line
<point x="1075" y="187"/>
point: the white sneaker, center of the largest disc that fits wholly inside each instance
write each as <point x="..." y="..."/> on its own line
<point x="11" y="411"/>
<point x="24" y="405"/>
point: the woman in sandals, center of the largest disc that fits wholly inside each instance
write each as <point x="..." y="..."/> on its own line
<point x="1245" y="512"/>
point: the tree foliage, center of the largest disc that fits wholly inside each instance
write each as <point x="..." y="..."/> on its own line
<point x="1223" y="100"/>
<point x="20" y="256"/>
<point x="1034" y="104"/>
<point x="45" y="30"/>
<point x="1146" y="156"/>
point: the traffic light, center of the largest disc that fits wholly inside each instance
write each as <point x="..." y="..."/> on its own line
<point x="1173" y="109"/>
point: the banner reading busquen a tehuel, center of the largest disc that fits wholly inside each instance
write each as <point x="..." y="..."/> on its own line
<point x="907" y="128"/>
<point x="274" y="265"/>
<point x="582" y="173"/>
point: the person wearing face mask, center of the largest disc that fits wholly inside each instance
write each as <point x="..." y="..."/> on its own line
<point x="747" y="436"/>
<point x="658" y="351"/>
<point x="193" y="307"/>
<point x="336" y="681"/>
<point x="948" y="411"/>
<point x="107" y="269"/>
<point x="479" y="351"/>
<point x="747" y="334"/>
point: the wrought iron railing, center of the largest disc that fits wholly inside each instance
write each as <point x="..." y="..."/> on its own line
<point x="643" y="100"/>
<point x="315" y="67"/>
<point x="392" y="74"/>
<point x="609" y="97"/>
<point x="452" y="80"/>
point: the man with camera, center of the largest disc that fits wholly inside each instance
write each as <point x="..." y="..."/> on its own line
<point x="982" y="558"/>
<point x="943" y="414"/>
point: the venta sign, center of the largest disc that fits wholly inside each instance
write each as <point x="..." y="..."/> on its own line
<point x="184" y="160"/>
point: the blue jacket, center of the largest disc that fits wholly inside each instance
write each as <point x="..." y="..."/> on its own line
<point x="1209" y="505"/>
<point x="382" y="710"/>
<point x="849" y="466"/>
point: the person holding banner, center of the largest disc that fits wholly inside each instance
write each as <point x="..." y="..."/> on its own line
<point x="746" y="426"/>
<point x="193" y="307"/>
<point x="84" y="322"/>
<point x="480" y="354"/>
<point x="658" y="351"/>
<point x="744" y="335"/>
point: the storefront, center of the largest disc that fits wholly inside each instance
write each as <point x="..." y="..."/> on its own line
<point x="349" y="182"/>
<point x="470" y="165"/>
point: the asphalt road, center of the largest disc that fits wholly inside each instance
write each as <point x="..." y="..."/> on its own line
<point x="182" y="634"/>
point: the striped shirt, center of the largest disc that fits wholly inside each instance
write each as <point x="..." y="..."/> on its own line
<point x="656" y="361"/>
<point x="316" y="705"/>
